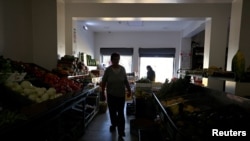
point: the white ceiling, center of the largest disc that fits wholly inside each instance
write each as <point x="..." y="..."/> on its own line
<point x="146" y="24"/>
<point x="139" y="24"/>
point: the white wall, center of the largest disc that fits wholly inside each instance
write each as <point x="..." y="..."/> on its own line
<point x="16" y="30"/>
<point x="44" y="35"/>
<point x="30" y="31"/>
<point x="138" y="40"/>
<point x="84" y="41"/>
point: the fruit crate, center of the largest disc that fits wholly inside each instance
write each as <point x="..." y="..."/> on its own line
<point x="35" y="66"/>
<point x="34" y="109"/>
<point x="12" y="99"/>
<point x="34" y="71"/>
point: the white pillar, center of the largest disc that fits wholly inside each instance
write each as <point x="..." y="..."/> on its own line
<point x="239" y="39"/>
<point x="234" y="34"/>
<point x="239" y="31"/>
<point x="215" y="47"/>
<point x="61" y="28"/>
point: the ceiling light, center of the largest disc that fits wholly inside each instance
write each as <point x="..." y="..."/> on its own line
<point x="135" y="23"/>
<point x="85" y="27"/>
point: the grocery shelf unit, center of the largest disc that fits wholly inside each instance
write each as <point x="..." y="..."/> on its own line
<point x="230" y="85"/>
<point x="65" y="119"/>
<point x="222" y="105"/>
<point x="144" y="126"/>
<point x="92" y="106"/>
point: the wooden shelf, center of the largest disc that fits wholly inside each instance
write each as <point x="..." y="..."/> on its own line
<point x="239" y="88"/>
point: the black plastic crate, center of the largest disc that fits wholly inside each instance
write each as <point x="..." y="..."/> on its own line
<point x="150" y="134"/>
<point x="144" y="108"/>
<point x="142" y="124"/>
<point x="130" y="109"/>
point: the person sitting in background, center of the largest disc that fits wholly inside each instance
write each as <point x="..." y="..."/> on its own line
<point x="150" y="73"/>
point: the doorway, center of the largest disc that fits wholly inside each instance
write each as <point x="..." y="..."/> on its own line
<point x="163" y="67"/>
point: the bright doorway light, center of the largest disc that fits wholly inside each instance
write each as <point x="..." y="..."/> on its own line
<point x="162" y="66"/>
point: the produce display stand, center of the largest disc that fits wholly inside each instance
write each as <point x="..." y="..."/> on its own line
<point x="225" y="112"/>
<point x="56" y="119"/>
<point x="143" y="125"/>
<point x="41" y="105"/>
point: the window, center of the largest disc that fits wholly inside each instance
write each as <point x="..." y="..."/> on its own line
<point x="160" y="59"/>
<point x="125" y="61"/>
<point x="126" y="55"/>
<point x="163" y="67"/>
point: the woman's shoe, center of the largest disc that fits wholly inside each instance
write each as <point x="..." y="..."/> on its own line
<point x="122" y="134"/>
<point x="120" y="138"/>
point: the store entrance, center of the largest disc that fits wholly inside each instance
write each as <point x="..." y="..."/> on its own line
<point x="163" y="67"/>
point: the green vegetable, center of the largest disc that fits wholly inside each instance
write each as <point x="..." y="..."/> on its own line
<point x="10" y="117"/>
<point x="175" y="87"/>
<point x="238" y="65"/>
<point x="143" y="80"/>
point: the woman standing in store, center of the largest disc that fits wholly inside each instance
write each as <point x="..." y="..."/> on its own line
<point x="115" y="82"/>
<point x="150" y="74"/>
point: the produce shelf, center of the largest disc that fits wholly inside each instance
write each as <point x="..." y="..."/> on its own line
<point x="48" y="115"/>
<point x="216" y="110"/>
<point x="89" y="115"/>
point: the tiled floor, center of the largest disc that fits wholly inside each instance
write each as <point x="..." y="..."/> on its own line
<point x="98" y="129"/>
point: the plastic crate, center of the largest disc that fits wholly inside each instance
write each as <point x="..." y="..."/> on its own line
<point x="150" y="134"/>
<point x="142" y="124"/>
<point x="130" y="109"/>
<point x="103" y="106"/>
<point x="144" y="108"/>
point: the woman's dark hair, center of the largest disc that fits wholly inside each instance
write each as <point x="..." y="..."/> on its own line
<point x="149" y="67"/>
<point x="114" y="55"/>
